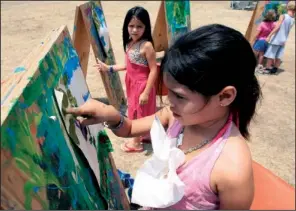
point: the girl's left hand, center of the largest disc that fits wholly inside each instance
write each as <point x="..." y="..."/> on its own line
<point x="143" y="99"/>
<point x="102" y="67"/>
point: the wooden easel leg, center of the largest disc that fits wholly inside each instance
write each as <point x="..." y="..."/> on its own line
<point x="112" y="83"/>
<point x="159" y="35"/>
<point x="251" y="30"/>
<point x="81" y="41"/>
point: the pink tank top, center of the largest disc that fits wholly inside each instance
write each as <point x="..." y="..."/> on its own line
<point x="196" y="173"/>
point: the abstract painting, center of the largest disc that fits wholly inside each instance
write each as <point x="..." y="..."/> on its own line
<point x="48" y="161"/>
<point x="178" y="18"/>
<point x="278" y="6"/>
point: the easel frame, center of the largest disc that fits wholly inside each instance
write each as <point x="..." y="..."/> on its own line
<point x="85" y="34"/>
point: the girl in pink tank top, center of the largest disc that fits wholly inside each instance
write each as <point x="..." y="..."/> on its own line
<point x="141" y="70"/>
<point x="212" y="99"/>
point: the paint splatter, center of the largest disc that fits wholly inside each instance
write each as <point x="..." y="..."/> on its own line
<point x="7" y="94"/>
<point x="86" y="96"/>
<point x="19" y="69"/>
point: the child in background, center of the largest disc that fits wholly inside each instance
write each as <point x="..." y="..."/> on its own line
<point x="277" y="39"/>
<point x="141" y="70"/>
<point x="211" y="106"/>
<point x="260" y="44"/>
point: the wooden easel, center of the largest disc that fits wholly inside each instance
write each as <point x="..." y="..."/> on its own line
<point x="87" y="29"/>
<point x="24" y="182"/>
<point x="166" y="29"/>
<point x="251" y="30"/>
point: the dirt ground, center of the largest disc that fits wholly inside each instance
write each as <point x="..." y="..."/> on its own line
<point x="25" y="24"/>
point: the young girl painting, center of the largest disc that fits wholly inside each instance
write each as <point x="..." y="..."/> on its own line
<point x="211" y="105"/>
<point x="141" y="70"/>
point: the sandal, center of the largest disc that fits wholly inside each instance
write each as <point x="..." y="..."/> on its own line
<point x="126" y="148"/>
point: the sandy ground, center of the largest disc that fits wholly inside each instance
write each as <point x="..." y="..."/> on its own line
<point x="25" y="24"/>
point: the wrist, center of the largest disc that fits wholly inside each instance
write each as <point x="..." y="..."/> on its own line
<point x="111" y="68"/>
<point x="146" y="92"/>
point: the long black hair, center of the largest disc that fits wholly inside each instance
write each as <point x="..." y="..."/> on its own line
<point x="208" y="59"/>
<point x="141" y="14"/>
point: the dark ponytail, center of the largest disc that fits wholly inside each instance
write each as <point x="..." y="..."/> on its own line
<point x="244" y="105"/>
<point x="208" y="59"/>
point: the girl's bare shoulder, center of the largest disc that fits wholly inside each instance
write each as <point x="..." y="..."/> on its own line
<point x="235" y="161"/>
<point x="147" y="45"/>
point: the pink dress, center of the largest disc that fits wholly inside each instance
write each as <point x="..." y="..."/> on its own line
<point x="196" y="173"/>
<point x="137" y="72"/>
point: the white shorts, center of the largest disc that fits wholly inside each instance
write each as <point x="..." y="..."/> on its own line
<point x="274" y="51"/>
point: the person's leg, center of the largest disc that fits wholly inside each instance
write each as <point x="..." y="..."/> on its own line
<point x="133" y="145"/>
<point x="279" y="56"/>
<point x="270" y="55"/>
<point x="261" y="57"/>
<point x="260" y="67"/>
<point x="256" y="53"/>
<point x="269" y="63"/>
<point x="278" y="59"/>
<point x="277" y="63"/>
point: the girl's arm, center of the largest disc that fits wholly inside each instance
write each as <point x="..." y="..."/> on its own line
<point x="142" y="126"/>
<point x="117" y="67"/>
<point x="94" y="112"/>
<point x="276" y="28"/>
<point x="150" y="55"/>
<point x="235" y="182"/>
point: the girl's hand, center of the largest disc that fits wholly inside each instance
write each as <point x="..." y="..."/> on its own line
<point x="267" y="39"/>
<point x="101" y="66"/>
<point x="143" y="99"/>
<point x="94" y="112"/>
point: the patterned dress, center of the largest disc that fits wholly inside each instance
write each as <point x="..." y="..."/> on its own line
<point x="137" y="72"/>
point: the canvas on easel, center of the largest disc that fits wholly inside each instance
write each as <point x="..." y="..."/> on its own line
<point x="173" y="19"/>
<point x="48" y="161"/>
<point x="90" y="28"/>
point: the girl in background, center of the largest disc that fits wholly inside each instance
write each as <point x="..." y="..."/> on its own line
<point x="141" y="70"/>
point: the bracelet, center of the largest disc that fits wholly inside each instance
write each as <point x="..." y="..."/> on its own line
<point x="111" y="70"/>
<point x="116" y="127"/>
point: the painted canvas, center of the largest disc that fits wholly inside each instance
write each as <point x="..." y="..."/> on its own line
<point x="48" y="161"/>
<point x="178" y="18"/>
<point x="98" y="34"/>
<point x="278" y="6"/>
<point x="105" y="43"/>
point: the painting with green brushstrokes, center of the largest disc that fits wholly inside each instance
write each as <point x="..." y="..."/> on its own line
<point x="48" y="160"/>
<point x="105" y="52"/>
<point x="278" y="6"/>
<point x="178" y="17"/>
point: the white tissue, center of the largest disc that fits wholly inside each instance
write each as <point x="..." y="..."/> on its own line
<point x="156" y="183"/>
